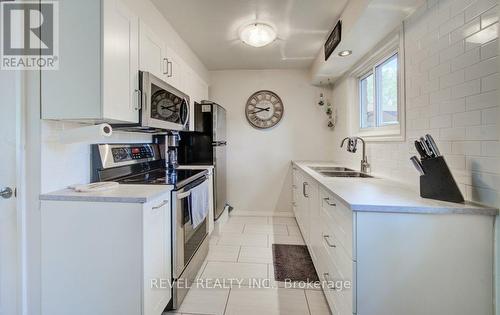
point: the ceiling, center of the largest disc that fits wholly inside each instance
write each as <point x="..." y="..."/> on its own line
<point x="210" y="28"/>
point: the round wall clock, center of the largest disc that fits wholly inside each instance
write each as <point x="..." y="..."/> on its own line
<point x="264" y="109"/>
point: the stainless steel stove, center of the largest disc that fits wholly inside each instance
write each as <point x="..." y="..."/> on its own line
<point x="142" y="164"/>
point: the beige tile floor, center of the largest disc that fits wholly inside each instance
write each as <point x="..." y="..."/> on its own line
<point x="243" y="251"/>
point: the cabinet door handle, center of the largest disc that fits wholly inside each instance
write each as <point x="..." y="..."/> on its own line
<point x="160" y="205"/>
<point x="328" y="202"/>
<point x="138" y="99"/>
<point x="164" y="65"/>
<point x="294" y="186"/>
<point x="327" y="240"/>
<point x="170" y="69"/>
<point x="326" y="275"/>
<point x="304" y="185"/>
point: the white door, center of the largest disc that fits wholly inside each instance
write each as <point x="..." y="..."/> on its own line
<point x="9" y="254"/>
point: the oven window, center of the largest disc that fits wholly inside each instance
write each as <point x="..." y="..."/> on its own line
<point x="193" y="239"/>
<point x="166" y="106"/>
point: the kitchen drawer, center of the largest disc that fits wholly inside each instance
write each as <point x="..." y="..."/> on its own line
<point x="336" y="253"/>
<point x="340" y="220"/>
<point x="340" y="300"/>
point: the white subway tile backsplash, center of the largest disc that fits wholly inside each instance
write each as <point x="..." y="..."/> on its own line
<point x="466" y="147"/>
<point x="456" y="162"/>
<point x="452" y="106"/>
<point x="466" y="89"/>
<point x="469" y="58"/>
<point x="452" y="24"/>
<point x="485" y="180"/>
<point x="481" y="101"/>
<point x="490" y="148"/>
<point x="489" y="50"/>
<point x="443" y="121"/>
<point x="481" y="69"/>
<point x="440" y="70"/>
<point x="479" y="133"/>
<point x="478" y="8"/>
<point x="490" y="83"/>
<point x="457" y="133"/>
<point x="482" y="37"/>
<point x="482" y="195"/>
<point x="489" y="116"/>
<point x="452" y="79"/>
<point x="489" y="17"/>
<point x="467" y="119"/>
<point x="440" y="96"/>
<point x="482" y="164"/>
<point x="430" y="62"/>
<point x="457" y="6"/>
<point x="466" y="30"/>
<point x="451" y="52"/>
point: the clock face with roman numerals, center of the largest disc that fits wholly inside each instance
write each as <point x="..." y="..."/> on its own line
<point x="264" y="109"/>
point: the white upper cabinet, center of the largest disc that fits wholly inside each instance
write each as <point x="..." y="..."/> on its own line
<point x="97" y="78"/>
<point x="120" y="62"/>
<point x="153" y="53"/>
<point x="160" y="60"/>
<point x="176" y="70"/>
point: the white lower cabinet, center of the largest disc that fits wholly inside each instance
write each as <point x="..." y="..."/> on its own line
<point x="106" y="257"/>
<point x="395" y="263"/>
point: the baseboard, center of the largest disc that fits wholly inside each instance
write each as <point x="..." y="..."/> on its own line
<point x="262" y="213"/>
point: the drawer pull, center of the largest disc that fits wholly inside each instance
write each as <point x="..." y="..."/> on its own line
<point x="304" y="185"/>
<point x="327" y="240"/>
<point x="328" y="202"/>
<point x="294" y="204"/>
<point x="326" y="275"/>
<point x="294" y="186"/>
<point x="160" y="205"/>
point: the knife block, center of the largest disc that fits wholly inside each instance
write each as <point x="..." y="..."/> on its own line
<point x="438" y="183"/>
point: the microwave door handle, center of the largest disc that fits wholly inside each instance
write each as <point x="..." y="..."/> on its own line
<point x="186" y="117"/>
<point x="183" y="195"/>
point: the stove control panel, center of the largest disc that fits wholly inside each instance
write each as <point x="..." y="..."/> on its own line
<point x="130" y="153"/>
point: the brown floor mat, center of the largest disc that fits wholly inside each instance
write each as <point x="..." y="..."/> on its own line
<point x="293" y="263"/>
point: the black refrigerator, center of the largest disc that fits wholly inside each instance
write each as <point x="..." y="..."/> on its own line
<point x="207" y="146"/>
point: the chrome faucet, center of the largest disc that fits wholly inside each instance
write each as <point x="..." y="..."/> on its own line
<point x="352" y="147"/>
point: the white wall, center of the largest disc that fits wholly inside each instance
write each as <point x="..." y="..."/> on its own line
<point x="258" y="161"/>
<point x="452" y="93"/>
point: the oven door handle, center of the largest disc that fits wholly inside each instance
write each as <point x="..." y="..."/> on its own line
<point x="183" y="195"/>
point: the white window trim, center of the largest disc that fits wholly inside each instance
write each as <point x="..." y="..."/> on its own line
<point x="393" y="44"/>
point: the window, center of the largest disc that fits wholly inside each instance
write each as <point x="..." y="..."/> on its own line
<point x="379" y="95"/>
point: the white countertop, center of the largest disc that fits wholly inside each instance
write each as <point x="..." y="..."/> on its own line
<point x="384" y="195"/>
<point x="123" y="193"/>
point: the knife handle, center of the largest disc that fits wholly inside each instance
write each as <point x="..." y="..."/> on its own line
<point x="421" y="150"/>
<point x="418" y="165"/>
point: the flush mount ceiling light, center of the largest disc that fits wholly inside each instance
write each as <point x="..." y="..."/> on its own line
<point x="345" y="53"/>
<point x="257" y="34"/>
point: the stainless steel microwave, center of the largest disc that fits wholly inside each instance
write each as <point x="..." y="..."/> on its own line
<point x="163" y="106"/>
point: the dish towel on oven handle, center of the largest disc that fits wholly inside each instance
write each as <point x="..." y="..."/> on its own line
<point x="199" y="204"/>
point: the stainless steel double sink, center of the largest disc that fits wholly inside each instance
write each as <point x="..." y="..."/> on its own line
<point x="333" y="171"/>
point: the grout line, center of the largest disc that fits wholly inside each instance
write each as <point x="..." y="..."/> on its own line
<point x="227" y="301"/>
<point x="307" y="302"/>
<point x="239" y="252"/>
